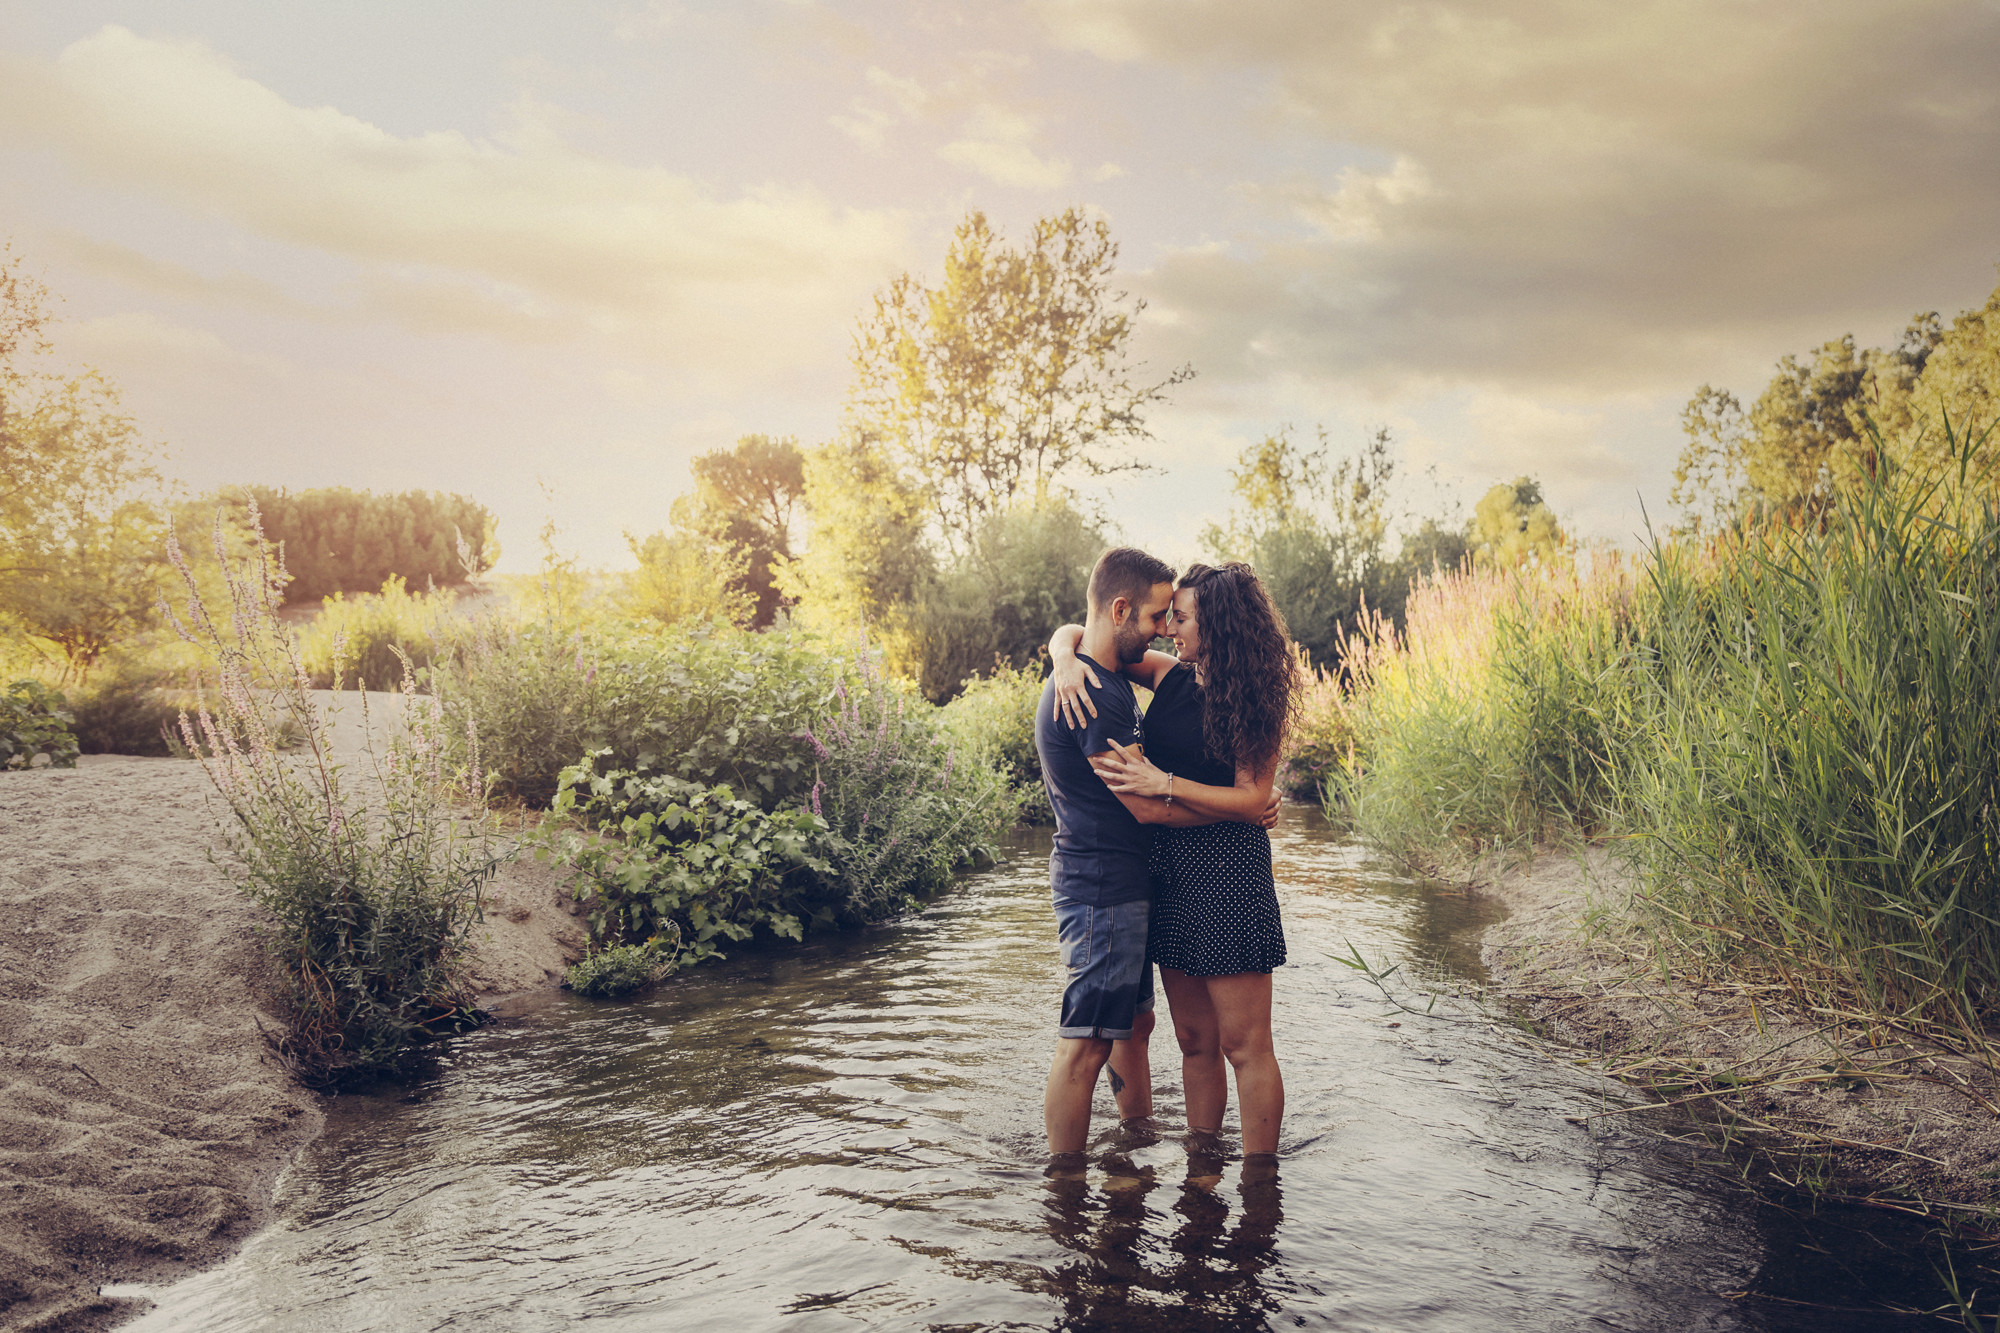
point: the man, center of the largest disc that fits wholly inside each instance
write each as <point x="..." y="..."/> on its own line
<point x="1098" y="868"/>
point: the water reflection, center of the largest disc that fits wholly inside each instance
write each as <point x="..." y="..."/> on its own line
<point x="847" y="1135"/>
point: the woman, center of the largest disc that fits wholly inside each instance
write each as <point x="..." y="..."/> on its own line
<point x="1220" y="707"/>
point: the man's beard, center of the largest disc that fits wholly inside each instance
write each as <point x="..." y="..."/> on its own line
<point x="1131" y="641"/>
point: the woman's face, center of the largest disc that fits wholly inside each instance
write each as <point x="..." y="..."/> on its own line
<point x="1183" y="627"/>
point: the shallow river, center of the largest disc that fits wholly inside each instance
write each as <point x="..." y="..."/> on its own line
<point x="848" y="1136"/>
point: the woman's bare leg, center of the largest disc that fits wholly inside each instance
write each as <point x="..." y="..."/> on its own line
<point x="1241" y="1009"/>
<point x="1204" y="1078"/>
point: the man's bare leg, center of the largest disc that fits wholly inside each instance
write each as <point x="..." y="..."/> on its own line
<point x="1132" y="1070"/>
<point x="1072" y="1080"/>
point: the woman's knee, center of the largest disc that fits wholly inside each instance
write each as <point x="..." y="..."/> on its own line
<point x="1240" y="1048"/>
<point x="1196" y="1041"/>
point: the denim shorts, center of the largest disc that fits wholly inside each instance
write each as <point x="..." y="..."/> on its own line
<point x="1104" y="953"/>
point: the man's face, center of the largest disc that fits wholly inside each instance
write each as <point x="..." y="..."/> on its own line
<point x="1144" y="623"/>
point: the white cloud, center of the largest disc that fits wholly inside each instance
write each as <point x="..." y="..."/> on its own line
<point x="530" y="231"/>
<point x="1110" y="171"/>
<point x="995" y="143"/>
<point x="1608" y="198"/>
<point x="142" y="342"/>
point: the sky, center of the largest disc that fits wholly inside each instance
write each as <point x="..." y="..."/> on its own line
<point x="545" y="254"/>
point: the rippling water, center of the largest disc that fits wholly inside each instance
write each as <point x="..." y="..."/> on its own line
<point x="848" y="1135"/>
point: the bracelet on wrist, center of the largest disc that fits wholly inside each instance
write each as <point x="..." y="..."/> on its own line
<point x="1170" y="789"/>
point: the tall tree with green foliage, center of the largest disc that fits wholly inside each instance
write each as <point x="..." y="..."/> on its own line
<point x="743" y="507"/>
<point x="1008" y="380"/>
<point x="1812" y="431"/>
<point x="81" y="520"/>
<point x="1318" y="533"/>
<point x="1513" y="525"/>
<point x="336" y="539"/>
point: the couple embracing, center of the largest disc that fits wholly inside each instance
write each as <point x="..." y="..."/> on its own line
<point x="1161" y="851"/>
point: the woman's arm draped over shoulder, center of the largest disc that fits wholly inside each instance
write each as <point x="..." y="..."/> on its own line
<point x="1069" y="673"/>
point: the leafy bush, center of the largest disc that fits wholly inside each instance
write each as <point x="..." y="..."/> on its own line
<point x="890" y="814"/>
<point x="364" y="640"/>
<point x="992" y="724"/>
<point x="621" y="969"/>
<point x="712" y="706"/>
<point x="675" y="856"/>
<point x="372" y="897"/>
<point x="906" y="809"/>
<point x="35" y="724"/>
<point x="131" y="708"/>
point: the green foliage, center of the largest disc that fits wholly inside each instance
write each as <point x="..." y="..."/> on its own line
<point x="1321" y="741"/>
<point x="904" y="808"/>
<point x="681" y="577"/>
<point x="1318" y="534"/>
<point x="1011" y="376"/>
<point x="699" y="863"/>
<point x="337" y="540"/>
<point x="1512" y="524"/>
<point x="1795" y="729"/>
<point x="710" y="705"/>
<point x="1817" y="760"/>
<point x="868" y="559"/>
<point x="741" y="509"/>
<point x="372" y="898"/>
<point x="35" y="724"/>
<point x="131" y="706"/>
<point x="81" y="519"/>
<point x="1026" y="572"/>
<point x="607" y="974"/>
<point x="991" y="724"/>
<point x="362" y="642"/>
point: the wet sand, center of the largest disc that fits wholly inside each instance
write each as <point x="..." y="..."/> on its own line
<point x="1576" y="956"/>
<point x="143" y="1116"/>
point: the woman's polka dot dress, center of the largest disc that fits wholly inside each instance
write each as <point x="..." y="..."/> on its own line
<point x="1215" y="905"/>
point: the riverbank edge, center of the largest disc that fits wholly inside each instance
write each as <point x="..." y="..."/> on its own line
<point x="1575" y="960"/>
<point x="150" y="1121"/>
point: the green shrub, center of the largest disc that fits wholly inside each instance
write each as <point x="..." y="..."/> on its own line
<point x="621" y="969"/>
<point x="130" y="707"/>
<point x="373" y="895"/>
<point x="674" y="856"/>
<point x="992" y="724"/>
<point x="364" y="639"/>
<point x="1321" y="739"/>
<point x="35" y="725"/>
<point x="713" y="705"/>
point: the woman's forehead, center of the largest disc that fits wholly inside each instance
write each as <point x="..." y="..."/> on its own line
<point x="1184" y="601"/>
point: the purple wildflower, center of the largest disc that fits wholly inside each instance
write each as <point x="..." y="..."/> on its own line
<point x="817" y="784"/>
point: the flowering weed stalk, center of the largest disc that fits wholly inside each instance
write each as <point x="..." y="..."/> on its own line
<point x="373" y="893"/>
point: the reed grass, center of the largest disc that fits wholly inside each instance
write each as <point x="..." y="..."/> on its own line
<point x="1794" y="730"/>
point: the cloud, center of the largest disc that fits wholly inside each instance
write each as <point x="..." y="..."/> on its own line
<point x="534" y="229"/>
<point x="995" y="143"/>
<point x="1601" y="197"/>
<point x="142" y="342"/>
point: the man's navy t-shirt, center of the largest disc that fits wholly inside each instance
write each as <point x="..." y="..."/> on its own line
<point x="1100" y="853"/>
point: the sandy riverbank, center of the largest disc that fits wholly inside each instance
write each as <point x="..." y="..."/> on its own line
<point x="1853" y="1120"/>
<point x="142" y="1116"/>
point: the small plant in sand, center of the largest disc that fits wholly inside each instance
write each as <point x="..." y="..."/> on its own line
<point x="623" y="968"/>
<point x="373" y="893"/>
<point x="35" y="727"/>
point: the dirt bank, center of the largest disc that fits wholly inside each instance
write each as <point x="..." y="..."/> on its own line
<point x="1889" y="1120"/>
<point x="142" y="1116"/>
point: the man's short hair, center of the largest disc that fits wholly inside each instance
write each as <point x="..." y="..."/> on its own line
<point x="1128" y="572"/>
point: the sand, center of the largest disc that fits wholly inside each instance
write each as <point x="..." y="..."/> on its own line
<point x="1575" y="955"/>
<point x="143" y="1116"/>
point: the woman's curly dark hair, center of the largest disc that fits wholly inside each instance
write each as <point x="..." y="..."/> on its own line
<point x="1250" y="673"/>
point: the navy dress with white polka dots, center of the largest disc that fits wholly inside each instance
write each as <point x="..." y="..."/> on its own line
<point x="1215" y="907"/>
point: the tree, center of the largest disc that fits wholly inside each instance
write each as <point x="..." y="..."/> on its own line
<point x="742" y="506"/>
<point x="1317" y="533"/>
<point x="1512" y="525"/>
<point x="683" y="578"/>
<point x="82" y="561"/>
<point x="1009" y="378"/>
<point x="867" y="560"/>
<point x="1811" y="432"/>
